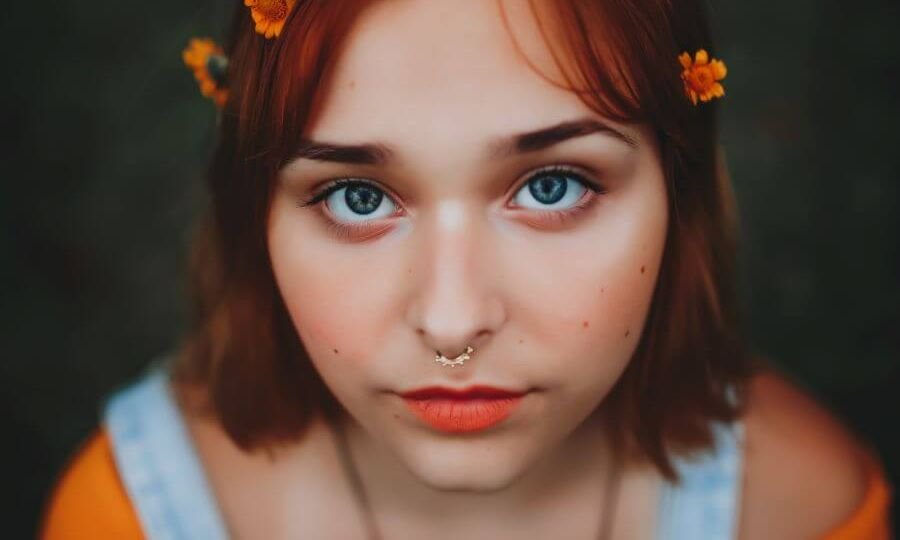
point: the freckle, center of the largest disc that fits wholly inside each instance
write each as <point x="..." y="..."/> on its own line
<point x="584" y="324"/>
<point x="642" y="269"/>
<point x="352" y="85"/>
<point x="627" y="333"/>
<point x="602" y="290"/>
<point x="521" y="341"/>
<point x="335" y="351"/>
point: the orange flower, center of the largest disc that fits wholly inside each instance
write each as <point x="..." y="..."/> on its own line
<point x="701" y="76"/>
<point x="270" y="15"/>
<point x="209" y="65"/>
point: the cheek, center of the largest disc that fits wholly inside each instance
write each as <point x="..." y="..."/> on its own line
<point x="330" y="300"/>
<point x="590" y="311"/>
<point x="603" y="310"/>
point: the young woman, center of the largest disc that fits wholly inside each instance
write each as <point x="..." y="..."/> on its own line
<point x="467" y="273"/>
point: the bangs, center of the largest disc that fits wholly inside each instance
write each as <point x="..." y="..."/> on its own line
<point x="619" y="57"/>
<point x="279" y="82"/>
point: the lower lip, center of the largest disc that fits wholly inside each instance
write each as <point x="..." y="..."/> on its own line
<point x="463" y="415"/>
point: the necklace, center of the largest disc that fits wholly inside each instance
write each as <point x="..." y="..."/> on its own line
<point x="610" y="497"/>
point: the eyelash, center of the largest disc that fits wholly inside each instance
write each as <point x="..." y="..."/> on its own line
<point x="556" y="217"/>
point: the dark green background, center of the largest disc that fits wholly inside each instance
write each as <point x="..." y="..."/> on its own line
<point x="107" y="139"/>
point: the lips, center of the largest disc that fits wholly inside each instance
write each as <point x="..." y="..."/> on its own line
<point x="461" y="411"/>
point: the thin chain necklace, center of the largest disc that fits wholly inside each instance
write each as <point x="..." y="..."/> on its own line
<point x="610" y="497"/>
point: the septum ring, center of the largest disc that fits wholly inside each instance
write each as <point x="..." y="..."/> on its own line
<point x="458" y="361"/>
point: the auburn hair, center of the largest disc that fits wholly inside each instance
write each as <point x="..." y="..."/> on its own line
<point x="621" y="56"/>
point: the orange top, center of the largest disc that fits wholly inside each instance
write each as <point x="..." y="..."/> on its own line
<point x="90" y="501"/>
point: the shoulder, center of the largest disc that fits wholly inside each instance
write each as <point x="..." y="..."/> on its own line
<point x="89" y="500"/>
<point x="805" y="473"/>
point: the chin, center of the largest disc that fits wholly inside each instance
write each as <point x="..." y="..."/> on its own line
<point x="464" y="466"/>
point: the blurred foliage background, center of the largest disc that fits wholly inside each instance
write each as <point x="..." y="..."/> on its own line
<point x="109" y="138"/>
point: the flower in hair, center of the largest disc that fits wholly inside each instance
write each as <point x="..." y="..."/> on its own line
<point x="701" y="76"/>
<point x="270" y="15"/>
<point x="210" y="66"/>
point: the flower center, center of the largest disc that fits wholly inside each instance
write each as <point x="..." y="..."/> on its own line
<point x="217" y="67"/>
<point x="701" y="78"/>
<point x="273" y="9"/>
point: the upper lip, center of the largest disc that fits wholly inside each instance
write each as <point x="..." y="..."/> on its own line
<point x="470" y="392"/>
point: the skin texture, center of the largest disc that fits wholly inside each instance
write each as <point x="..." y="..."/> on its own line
<point x="548" y="306"/>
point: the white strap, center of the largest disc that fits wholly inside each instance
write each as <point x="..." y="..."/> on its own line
<point x="158" y="463"/>
<point x="706" y="503"/>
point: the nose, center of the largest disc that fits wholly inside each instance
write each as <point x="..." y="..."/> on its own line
<point x="456" y="302"/>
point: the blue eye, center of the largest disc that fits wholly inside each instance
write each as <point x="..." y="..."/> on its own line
<point x="353" y="200"/>
<point x="555" y="188"/>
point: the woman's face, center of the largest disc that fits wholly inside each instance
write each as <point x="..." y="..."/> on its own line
<point x="473" y="220"/>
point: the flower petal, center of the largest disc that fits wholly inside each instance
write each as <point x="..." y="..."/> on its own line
<point x="685" y="59"/>
<point x="719" y="69"/>
<point x="702" y="57"/>
<point x="277" y="27"/>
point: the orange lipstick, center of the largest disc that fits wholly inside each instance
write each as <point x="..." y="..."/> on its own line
<point x="462" y="411"/>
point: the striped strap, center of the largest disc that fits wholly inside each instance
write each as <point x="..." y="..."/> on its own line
<point x="706" y="504"/>
<point x="158" y="463"/>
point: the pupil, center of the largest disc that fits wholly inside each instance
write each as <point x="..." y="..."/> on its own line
<point x="548" y="189"/>
<point x="362" y="199"/>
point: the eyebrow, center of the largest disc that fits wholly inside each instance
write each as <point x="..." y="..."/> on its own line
<point x="531" y="141"/>
<point x="354" y="154"/>
<point x="543" y="138"/>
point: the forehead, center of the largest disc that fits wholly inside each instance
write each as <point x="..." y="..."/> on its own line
<point x="423" y="73"/>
